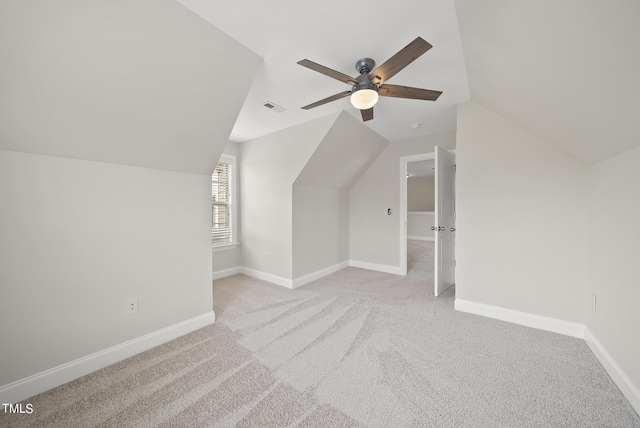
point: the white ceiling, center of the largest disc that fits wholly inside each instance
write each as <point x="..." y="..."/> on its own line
<point x="336" y="34"/>
<point x="148" y="83"/>
<point x="125" y="82"/>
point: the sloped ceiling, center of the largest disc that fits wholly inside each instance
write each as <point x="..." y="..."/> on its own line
<point x="336" y="34"/>
<point x="149" y="83"/>
<point x="567" y="71"/>
<point x="145" y="83"/>
<point x="343" y="155"/>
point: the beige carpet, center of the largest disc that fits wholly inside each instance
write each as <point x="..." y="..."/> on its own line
<point x="357" y="348"/>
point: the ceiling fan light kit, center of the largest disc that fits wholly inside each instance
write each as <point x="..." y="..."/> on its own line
<point x="369" y="85"/>
<point x="364" y="99"/>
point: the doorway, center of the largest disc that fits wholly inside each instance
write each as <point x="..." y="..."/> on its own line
<point x="420" y="218"/>
<point x="427" y="216"/>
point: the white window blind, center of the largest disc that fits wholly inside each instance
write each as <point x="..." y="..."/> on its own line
<point x="222" y="204"/>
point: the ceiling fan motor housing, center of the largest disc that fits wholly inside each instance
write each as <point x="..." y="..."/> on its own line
<point x="364" y="83"/>
<point x="365" y="65"/>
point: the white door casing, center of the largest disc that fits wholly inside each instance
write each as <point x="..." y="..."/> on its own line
<point x="444" y="220"/>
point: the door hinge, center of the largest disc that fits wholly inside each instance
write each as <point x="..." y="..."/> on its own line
<point x="455" y="167"/>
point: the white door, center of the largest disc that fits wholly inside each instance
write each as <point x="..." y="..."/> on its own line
<point x="444" y="221"/>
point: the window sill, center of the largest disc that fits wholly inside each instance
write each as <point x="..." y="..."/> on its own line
<point x="226" y="247"/>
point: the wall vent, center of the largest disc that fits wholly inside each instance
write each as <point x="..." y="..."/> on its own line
<point x="273" y="106"/>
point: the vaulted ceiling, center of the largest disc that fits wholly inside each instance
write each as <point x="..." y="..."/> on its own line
<point x="151" y="83"/>
<point x="336" y="34"/>
<point x="565" y="71"/>
<point x="124" y="82"/>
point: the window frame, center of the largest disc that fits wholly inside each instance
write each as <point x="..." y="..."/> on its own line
<point x="233" y="203"/>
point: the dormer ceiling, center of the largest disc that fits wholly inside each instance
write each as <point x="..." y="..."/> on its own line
<point x="336" y="35"/>
<point x="115" y="81"/>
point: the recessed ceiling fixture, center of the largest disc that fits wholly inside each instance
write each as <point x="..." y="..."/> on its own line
<point x="273" y="106"/>
<point x="370" y="84"/>
<point x="416" y="125"/>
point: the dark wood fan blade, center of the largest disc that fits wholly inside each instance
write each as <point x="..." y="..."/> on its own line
<point x="328" y="72"/>
<point x="408" y="92"/>
<point x="404" y="57"/>
<point x="327" y="100"/>
<point x="367" y="114"/>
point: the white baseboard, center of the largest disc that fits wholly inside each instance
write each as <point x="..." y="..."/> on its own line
<point x="264" y="276"/>
<point x="223" y="273"/>
<point x="299" y="282"/>
<point x="626" y="385"/>
<point x="279" y="280"/>
<point x="555" y="325"/>
<point x="43" y="381"/>
<point x="377" y="267"/>
<point x="421" y="238"/>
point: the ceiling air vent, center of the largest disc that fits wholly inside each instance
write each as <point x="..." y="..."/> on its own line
<point x="273" y="107"/>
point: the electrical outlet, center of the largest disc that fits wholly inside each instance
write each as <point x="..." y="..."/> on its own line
<point x="131" y="307"/>
<point x="593" y="301"/>
<point x="373" y="248"/>
<point x="265" y="256"/>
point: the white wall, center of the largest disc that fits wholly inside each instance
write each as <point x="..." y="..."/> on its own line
<point x="77" y="239"/>
<point x="419" y="225"/>
<point x="269" y="166"/>
<point x="614" y="252"/>
<point x="345" y="153"/>
<point x="421" y="194"/>
<point x="141" y="83"/>
<point x="374" y="236"/>
<point x="522" y="219"/>
<point x="287" y="179"/>
<point x="321" y="229"/>
<point x="128" y="83"/>
<point x="321" y="195"/>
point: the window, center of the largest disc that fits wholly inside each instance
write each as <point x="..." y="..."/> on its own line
<point x="223" y="212"/>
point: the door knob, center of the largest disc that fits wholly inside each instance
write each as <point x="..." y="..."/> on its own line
<point x="441" y="229"/>
<point x="453" y="229"/>
<point x="433" y="228"/>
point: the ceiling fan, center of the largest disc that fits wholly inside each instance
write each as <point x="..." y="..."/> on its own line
<point x="370" y="84"/>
